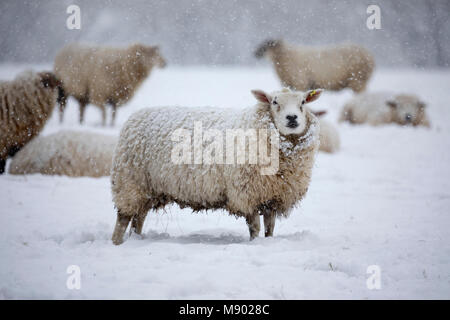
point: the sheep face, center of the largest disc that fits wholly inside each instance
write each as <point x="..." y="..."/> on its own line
<point x="150" y="56"/>
<point x="408" y="110"/>
<point x="288" y="108"/>
<point x="49" y="80"/>
<point x="266" y="47"/>
<point x="158" y="59"/>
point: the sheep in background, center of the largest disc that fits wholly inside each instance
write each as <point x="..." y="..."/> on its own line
<point x="70" y="153"/>
<point x="382" y="107"/>
<point x="333" y="68"/>
<point x="329" y="135"/>
<point x="144" y="175"/>
<point x="26" y="103"/>
<point x="103" y="75"/>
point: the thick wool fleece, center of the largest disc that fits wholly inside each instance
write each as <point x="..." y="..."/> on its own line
<point x="25" y="105"/>
<point x="144" y="177"/>
<point x="332" y="67"/>
<point x="70" y="153"/>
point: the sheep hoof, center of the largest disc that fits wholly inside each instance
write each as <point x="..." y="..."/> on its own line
<point x="117" y="241"/>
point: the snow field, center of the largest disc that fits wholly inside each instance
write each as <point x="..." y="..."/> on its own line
<point x="383" y="200"/>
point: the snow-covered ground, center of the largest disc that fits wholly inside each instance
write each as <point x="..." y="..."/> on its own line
<point x="383" y="200"/>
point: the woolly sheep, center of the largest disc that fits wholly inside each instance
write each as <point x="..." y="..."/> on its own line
<point x="103" y="75"/>
<point x="333" y="67"/>
<point x="383" y="107"/>
<point x="144" y="175"/>
<point x="70" y="153"/>
<point x="329" y="135"/>
<point x="26" y="103"/>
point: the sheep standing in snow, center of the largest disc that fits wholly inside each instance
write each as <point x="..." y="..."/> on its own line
<point x="101" y="75"/>
<point x="145" y="176"/>
<point x="25" y="105"/>
<point x="382" y="107"/>
<point x="70" y="153"/>
<point x="333" y="68"/>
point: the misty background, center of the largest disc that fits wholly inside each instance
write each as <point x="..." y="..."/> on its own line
<point x="214" y="32"/>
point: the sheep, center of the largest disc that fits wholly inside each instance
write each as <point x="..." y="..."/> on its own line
<point x="329" y="135"/>
<point x="384" y="107"/>
<point x="70" y="153"/>
<point x="103" y="75"/>
<point x="26" y="103"/>
<point x="147" y="172"/>
<point x="333" y="68"/>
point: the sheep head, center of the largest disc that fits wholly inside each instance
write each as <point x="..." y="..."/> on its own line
<point x="266" y="46"/>
<point x="49" y="80"/>
<point x="408" y="110"/>
<point x="150" y="56"/>
<point x="287" y="108"/>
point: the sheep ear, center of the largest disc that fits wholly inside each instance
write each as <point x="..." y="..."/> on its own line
<point x="320" y="113"/>
<point x="313" y="95"/>
<point x="261" y="96"/>
<point x="391" y="103"/>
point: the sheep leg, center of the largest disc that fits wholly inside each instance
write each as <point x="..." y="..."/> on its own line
<point x="103" y="115"/>
<point x="138" y="222"/>
<point x="62" y="100"/>
<point x="82" y="109"/>
<point x="269" y="223"/>
<point x="253" y="225"/>
<point x="2" y="165"/>
<point x="121" y="226"/>
<point x="113" y="114"/>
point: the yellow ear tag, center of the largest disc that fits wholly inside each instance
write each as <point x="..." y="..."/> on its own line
<point x="312" y="93"/>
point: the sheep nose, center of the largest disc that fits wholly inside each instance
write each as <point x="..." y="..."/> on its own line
<point x="291" y="117"/>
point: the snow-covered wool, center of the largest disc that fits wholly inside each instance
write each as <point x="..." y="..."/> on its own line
<point x="144" y="176"/>
<point x="384" y="107"/>
<point x="25" y="105"/>
<point x="103" y="75"/>
<point x="70" y="153"/>
<point x="329" y="137"/>
<point x="332" y="67"/>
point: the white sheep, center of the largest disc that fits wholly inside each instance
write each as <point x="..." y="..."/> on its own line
<point x="26" y="103"/>
<point x="384" y="107"/>
<point x="147" y="172"/>
<point x="329" y="135"/>
<point x="332" y="67"/>
<point x="70" y="153"/>
<point x="103" y="75"/>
